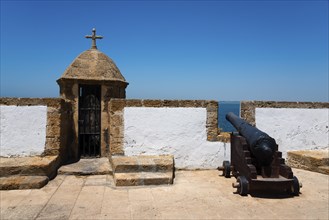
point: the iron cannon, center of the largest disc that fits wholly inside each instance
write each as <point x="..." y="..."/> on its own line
<point x="256" y="162"/>
<point x="262" y="146"/>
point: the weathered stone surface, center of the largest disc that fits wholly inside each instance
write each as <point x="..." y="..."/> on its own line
<point x="23" y="182"/>
<point x="95" y="166"/>
<point x="134" y="102"/>
<point x="143" y="178"/>
<point x="116" y="148"/>
<point x="313" y="160"/>
<point x="37" y="166"/>
<point x="143" y="170"/>
<point x="143" y="163"/>
<point x="152" y="103"/>
<point x="171" y="103"/>
<point x="93" y="65"/>
<point x="53" y="102"/>
<point x="117" y="105"/>
<point x="117" y="120"/>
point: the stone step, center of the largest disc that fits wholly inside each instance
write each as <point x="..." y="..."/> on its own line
<point x="35" y="166"/>
<point x="22" y="182"/>
<point x="313" y="160"/>
<point x="143" y="178"/>
<point x="93" y="166"/>
<point x="133" y="164"/>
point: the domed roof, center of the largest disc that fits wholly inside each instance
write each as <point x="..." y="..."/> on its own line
<point x="93" y="65"/>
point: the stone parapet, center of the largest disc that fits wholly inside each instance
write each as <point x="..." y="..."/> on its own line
<point x="116" y="107"/>
<point x="57" y="119"/>
<point x="247" y="108"/>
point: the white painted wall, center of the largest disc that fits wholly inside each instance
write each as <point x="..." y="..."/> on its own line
<point x="295" y="129"/>
<point x="22" y="130"/>
<point x="177" y="131"/>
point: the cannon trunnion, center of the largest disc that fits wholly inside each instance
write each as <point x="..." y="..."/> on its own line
<point x="256" y="162"/>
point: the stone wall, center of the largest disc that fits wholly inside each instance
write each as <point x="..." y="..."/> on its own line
<point x="294" y="125"/>
<point x="188" y="129"/>
<point x="54" y="129"/>
<point x="247" y="108"/>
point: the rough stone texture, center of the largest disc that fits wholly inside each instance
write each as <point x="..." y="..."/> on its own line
<point x="143" y="178"/>
<point x="247" y="108"/>
<point x="23" y="182"/>
<point x="163" y="163"/>
<point x="95" y="166"/>
<point x="35" y="166"/>
<point x="143" y="170"/>
<point x="93" y="65"/>
<point x="313" y="160"/>
<point x="116" y="108"/>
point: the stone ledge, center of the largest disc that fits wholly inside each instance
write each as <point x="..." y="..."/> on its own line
<point x="164" y="163"/>
<point x="313" y="160"/>
<point x="96" y="166"/>
<point x="36" y="166"/>
<point x="23" y="182"/>
<point x="143" y="178"/>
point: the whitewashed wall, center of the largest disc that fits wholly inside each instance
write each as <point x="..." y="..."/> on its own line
<point x="177" y="131"/>
<point x="295" y="129"/>
<point x="22" y="130"/>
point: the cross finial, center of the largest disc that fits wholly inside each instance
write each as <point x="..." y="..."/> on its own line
<point x="93" y="38"/>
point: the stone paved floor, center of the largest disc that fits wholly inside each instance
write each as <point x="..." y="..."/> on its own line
<point x="195" y="195"/>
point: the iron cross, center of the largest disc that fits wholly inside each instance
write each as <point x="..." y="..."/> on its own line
<point x="93" y="38"/>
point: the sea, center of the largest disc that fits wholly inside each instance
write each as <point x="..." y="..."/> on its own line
<point x="224" y="108"/>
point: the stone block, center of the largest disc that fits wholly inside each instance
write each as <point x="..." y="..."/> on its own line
<point x="116" y="120"/>
<point x="143" y="163"/>
<point x="117" y="105"/>
<point x="116" y="131"/>
<point x="134" y="103"/>
<point x="23" y="182"/>
<point x="54" y="120"/>
<point x="53" y="142"/>
<point x="29" y="166"/>
<point x="187" y="103"/>
<point x="53" y="131"/>
<point x="152" y="103"/>
<point x="116" y="148"/>
<point x="51" y="152"/>
<point x="96" y="166"/>
<point x="170" y="103"/>
<point x="143" y="178"/>
<point x="313" y="160"/>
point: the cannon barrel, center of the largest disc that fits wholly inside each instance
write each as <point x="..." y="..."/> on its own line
<point x="262" y="146"/>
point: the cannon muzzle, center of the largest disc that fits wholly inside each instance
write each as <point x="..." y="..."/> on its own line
<point x="262" y="146"/>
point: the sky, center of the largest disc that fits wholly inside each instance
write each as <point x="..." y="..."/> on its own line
<point x="215" y="50"/>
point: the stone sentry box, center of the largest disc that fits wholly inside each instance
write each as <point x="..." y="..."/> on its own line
<point x="91" y="68"/>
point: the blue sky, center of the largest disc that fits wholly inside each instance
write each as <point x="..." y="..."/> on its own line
<point x="222" y="50"/>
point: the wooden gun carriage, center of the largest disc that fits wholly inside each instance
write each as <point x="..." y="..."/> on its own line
<point x="256" y="162"/>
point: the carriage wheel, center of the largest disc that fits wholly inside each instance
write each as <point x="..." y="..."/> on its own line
<point x="295" y="187"/>
<point x="242" y="185"/>
<point x="227" y="169"/>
